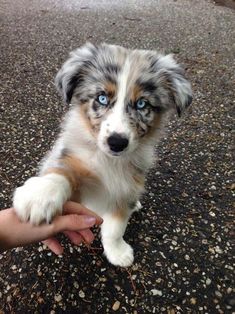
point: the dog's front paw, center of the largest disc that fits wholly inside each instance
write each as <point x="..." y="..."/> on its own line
<point x="119" y="253"/>
<point x="41" y="198"/>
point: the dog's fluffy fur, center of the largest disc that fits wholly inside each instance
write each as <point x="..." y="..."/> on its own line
<point x="120" y="99"/>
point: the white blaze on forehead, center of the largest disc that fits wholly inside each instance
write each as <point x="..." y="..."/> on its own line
<point x="117" y="120"/>
<point x="122" y="83"/>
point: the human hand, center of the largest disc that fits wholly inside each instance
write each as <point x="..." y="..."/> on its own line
<point x="75" y="223"/>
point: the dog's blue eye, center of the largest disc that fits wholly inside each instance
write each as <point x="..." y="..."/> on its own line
<point x="141" y="104"/>
<point x="103" y="100"/>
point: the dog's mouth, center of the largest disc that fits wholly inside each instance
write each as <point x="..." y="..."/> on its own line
<point x="112" y="153"/>
<point x="116" y="154"/>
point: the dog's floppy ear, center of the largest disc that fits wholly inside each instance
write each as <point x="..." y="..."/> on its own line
<point x="72" y="72"/>
<point x="171" y="77"/>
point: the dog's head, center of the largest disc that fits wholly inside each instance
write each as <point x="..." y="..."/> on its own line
<point x="122" y="94"/>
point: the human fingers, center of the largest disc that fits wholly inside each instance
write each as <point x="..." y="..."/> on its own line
<point x="73" y="222"/>
<point x="54" y="245"/>
<point x="87" y="235"/>
<point x="76" y="208"/>
<point x="74" y="237"/>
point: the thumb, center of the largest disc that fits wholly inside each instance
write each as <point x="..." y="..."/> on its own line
<point x="73" y="222"/>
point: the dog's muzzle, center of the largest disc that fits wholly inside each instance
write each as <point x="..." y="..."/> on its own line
<point x="117" y="142"/>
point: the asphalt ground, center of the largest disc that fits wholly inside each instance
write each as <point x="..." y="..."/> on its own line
<point x="183" y="237"/>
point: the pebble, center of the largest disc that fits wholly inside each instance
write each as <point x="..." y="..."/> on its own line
<point x="132" y="302"/>
<point x="40" y="249"/>
<point x="81" y="294"/>
<point x="232" y="187"/>
<point x="117" y="287"/>
<point x="75" y="284"/>
<point x="193" y="301"/>
<point x="211" y="250"/>
<point x="218" y="250"/>
<point x="116" y="305"/>
<point x="218" y="294"/>
<point x="58" y="297"/>
<point x="208" y="281"/>
<point x="162" y="254"/>
<point x="156" y="292"/>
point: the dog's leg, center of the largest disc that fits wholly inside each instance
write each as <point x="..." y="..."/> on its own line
<point x="118" y="252"/>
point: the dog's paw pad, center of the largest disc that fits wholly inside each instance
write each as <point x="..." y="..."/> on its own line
<point x="119" y="253"/>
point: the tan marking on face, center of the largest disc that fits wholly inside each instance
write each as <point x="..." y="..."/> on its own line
<point x="110" y="89"/>
<point x="83" y="109"/>
<point x="136" y="93"/>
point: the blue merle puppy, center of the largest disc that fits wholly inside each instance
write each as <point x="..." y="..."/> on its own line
<point x="120" y="99"/>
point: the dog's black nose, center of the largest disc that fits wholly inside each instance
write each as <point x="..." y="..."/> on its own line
<point x="117" y="142"/>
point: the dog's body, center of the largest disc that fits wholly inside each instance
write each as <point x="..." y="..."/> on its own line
<point x="120" y="99"/>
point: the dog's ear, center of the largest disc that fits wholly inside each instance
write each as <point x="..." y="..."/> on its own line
<point x="71" y="75"/>
<point x="170" y="76"/>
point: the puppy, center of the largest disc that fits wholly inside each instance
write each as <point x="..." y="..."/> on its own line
<point x="119" y="100"/>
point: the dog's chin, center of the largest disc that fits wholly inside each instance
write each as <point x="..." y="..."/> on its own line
<point x="116" y="154"/>
<point x="111" y="153"/>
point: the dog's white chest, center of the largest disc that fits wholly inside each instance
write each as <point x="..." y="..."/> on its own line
<point x="116" y="187"/>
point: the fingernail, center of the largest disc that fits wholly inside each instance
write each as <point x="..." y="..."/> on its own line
<point x="90" y="220"/>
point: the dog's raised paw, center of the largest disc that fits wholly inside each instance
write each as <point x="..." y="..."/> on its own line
<point x="41" y="198"/>
<point x="119" y="253"/>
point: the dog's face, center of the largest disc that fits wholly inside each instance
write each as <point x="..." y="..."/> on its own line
<point x="122" y="94"/>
